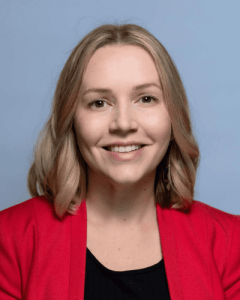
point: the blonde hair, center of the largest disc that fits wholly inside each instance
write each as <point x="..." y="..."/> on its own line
<point x="58" y="169"/>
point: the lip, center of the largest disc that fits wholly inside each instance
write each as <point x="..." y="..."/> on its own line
<point x="125" y="156"/>
<point x="119" y="144"/>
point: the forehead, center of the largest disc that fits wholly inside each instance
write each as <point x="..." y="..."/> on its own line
<point x="120" y="64"/>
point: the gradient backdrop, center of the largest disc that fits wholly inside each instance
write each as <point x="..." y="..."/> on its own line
<point x="203" y="39"/>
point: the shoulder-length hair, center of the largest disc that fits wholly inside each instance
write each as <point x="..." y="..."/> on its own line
<point x="58" y="169"/>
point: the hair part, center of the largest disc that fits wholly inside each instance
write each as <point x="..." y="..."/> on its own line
<point x="58" y="169"/>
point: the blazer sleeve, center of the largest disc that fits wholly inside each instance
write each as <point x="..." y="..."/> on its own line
<point x="17" y="236"/>
<point x="231" y="276"/>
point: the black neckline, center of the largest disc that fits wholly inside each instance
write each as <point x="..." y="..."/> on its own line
<point x="128" y="272"/>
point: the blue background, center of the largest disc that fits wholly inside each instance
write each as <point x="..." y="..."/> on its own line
<point x="201" y="36"/>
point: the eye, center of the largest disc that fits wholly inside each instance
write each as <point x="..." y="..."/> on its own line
<point x="144" y="97"/>
<point x="97" y="101"/>
<point x="102" y="101"/>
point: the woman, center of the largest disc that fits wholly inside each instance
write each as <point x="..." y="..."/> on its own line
<point x="112" y="214"/>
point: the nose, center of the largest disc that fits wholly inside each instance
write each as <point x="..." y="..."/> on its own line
<point x="124" y="117"/>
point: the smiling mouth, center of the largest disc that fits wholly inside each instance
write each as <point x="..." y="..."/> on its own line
<point x="107" y="148"/>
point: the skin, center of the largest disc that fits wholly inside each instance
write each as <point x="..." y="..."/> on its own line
<point x="121" y="194"/>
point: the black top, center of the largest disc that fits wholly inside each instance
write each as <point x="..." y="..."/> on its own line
<point x="143" y="284"/>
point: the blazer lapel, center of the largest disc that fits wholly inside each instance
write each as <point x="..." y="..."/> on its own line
<point x="78" y="250"/>
<point x="170" y="255"/>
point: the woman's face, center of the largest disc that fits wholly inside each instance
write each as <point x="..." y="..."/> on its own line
<point x="123" y="113"/>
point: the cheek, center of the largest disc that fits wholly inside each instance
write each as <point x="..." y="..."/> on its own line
<point x="159" y="126"/>
<point x="88" y="131"/>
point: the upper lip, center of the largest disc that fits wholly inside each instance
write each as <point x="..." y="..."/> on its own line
<point x="118" y="143"/>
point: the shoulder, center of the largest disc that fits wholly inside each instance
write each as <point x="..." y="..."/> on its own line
<point x="19" y="230"/>
<point x="29" y="221"/>
<point x="200" y="209"/>
<point x="26" y="205"/>
<point x="208" y="227"/>
<point x="34" y="212"/>
<point x="217" y="219"/>
<point x="27" y="209"/>
<point x="205" y="218"/>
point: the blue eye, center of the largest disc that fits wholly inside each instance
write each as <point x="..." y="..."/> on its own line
<point x="144" y="97"/>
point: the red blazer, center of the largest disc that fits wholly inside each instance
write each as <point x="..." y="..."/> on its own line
<point x="43" y="258"/>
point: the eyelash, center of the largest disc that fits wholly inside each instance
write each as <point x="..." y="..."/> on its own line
<point x="91" y="104"/>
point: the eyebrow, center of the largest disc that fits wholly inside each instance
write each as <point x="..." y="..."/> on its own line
<point x="135" y="88"/>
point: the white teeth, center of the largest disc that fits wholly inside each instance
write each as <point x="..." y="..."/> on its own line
<point x="124" y="149"/>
